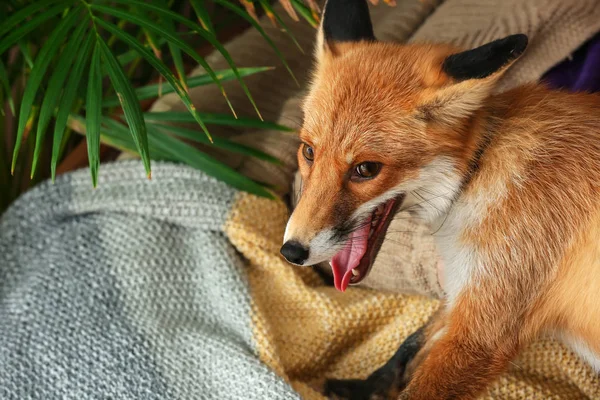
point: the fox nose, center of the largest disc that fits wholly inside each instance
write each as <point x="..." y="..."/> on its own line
<point x="294" y="252"/>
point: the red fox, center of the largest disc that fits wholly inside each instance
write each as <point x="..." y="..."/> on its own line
<point x="509" y="182"/>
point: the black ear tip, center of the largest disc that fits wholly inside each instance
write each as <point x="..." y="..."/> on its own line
<point x="347" y="21"/>
<point x="519" y="43"/>
<point x="485" y="60"/>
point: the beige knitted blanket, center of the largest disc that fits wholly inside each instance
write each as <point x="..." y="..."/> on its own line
<point x="307" y="331"/>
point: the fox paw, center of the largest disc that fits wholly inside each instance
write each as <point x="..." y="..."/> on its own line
<point x="388" y="382"/>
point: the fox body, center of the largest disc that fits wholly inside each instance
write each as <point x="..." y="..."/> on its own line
<point x="509" y="183"/>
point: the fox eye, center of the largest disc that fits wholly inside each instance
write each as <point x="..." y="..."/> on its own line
<point x="308" y="153"/>
<point x="367" y="170"/>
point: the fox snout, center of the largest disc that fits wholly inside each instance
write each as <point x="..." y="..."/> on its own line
<point x="295" y="252"/>
<point x="310" y="235"/>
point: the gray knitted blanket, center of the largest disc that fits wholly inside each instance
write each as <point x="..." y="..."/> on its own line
<point x="128" y="291"/>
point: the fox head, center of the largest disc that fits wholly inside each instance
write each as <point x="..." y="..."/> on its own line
<point x="384" y="124"/>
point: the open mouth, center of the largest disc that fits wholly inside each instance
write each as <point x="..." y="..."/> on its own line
<point x="353" y="263"/>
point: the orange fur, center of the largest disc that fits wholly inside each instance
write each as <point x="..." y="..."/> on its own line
<point x="520" y="235"/>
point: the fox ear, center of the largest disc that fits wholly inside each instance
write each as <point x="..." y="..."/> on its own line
<point x="470" y="78"/>
<point x="343" y="21"/>
<point x="485" y="60"/>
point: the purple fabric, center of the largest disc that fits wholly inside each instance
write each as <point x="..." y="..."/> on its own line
<point x="579" y="73"/>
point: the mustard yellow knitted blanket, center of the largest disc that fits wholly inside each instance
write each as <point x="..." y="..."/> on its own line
<point x="307" y="331"/>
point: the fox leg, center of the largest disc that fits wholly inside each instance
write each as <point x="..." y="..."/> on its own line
<point x="457" y="355"/>
<point x="477" y="344"/>
<point x="391" y="378"/>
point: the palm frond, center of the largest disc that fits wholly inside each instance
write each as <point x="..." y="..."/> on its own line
<point x="172" y="38"/>
<point x="73" y="65"/>
<point x="24" y="48"/>
<point x="215" y="119"/>
<point x="129" y="103"/>
<point x="27" y="12"/>
<point x="202" y="14"/>
<point x="41" y="64"/>
<point x="179" y="151"/>
<point x="18" y="33"/>
<point x="93" y="113"/>
<point x="310" y="13"/>
<point x="177" y="60"/>
<point x="54" y="90"/>
<point x="277" y="20"/>
<point x="192" y="134"/>
<point x="196" y="28"/>
<point x="159" y="65"/>
<point x="68" y="98"/>
<point x="262" y="32"/>
<point x="153" y="90"/>
<point x="168" y="148"/>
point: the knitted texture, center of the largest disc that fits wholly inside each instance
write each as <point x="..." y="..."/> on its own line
<point x="127" y="291"/>
<point x="174" y="289"/>
<point x="307" y="331"/>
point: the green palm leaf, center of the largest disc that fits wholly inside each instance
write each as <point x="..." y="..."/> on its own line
<point x="221" y="143"/>
<point x="59" y="32"/>
<point x="67" y="100"/>
<point x="37" y="74"/>
<point x="202" y="15"/>
<point x="146" y="23"/>
<point x="129" y="103"/>
<point x="267" y="7"/>
<point x="16" y="34"/>
<point x="306" y="12"/>
<point x="26" y="12"/>
<point x="116" y="134"/>
<point x="153" y="90"/>
<point x="94" y="113"/>
<point x="131" y="55"/>
<point x="26" y="53"/>
<point x="55" y="87"/>
<point x="214" y="119"/>
<point x="168" y="148"/>
<point x="175" y="52"/>
<point x="158" y="64"/>
<point x="178" y="61"/>
<point x="195" y="27"/>
<point x="237" y="10"/>
<point x="182" y="152"/>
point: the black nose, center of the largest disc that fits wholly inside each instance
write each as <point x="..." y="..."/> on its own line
<point x="294" y="252"/>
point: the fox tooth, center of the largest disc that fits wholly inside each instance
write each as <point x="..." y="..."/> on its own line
<point x="355" y="272"/>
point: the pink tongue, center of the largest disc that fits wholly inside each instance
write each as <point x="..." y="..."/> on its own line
<point x="349" y="257"/>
